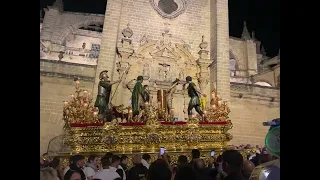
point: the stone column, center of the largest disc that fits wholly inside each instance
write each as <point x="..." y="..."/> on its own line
<point x="107" y="56"/>
<point x="203" y="62"/>
<point x="219" y="52"/>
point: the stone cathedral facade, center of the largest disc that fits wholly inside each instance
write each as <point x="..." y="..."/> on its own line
<point x="161" y="40"/>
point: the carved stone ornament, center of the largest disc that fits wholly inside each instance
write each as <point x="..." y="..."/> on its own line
<point x="127" y="32"/>
<point x="169" y="8"/>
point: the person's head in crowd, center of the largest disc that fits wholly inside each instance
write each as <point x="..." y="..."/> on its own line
<point x="159" y="170"/>
<point x="70" y="160"/>
<point x="195" y="154"/>
<point x="124" y="159"/>
<point x="218" y="163"/>
<point x="136" y="159"/>
<point x="146" y="157"/>
<point x="248" y="167"/>
<point x="105" y="162"/>
<point x="198" y="164"/>
<point x="232" y="162"/>
<point x="186" y="173"/>
<point x="182" y="160"/>
<point x="48" y="173"/>
<point x="263" y="158"/>
<point x="93" y="159"/>
<point x="72" y="175"/>
<point x="115" y="161"/>
<point x="78" y="160"/>
<point x="108" y="156"/>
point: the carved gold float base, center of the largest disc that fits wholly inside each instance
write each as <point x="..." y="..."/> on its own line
<point x="148" y="137"/>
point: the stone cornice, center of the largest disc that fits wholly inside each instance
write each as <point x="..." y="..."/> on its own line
<point x="85" y="14"/>
<point x="68" y="63"/>
<point x="66" y="76"/>
<point x="250" y="91"/>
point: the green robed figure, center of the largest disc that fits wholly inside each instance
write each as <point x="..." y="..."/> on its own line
<point x="137" y="98"/>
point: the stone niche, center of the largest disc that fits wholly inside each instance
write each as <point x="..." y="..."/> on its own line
<point x="160" y="63"/>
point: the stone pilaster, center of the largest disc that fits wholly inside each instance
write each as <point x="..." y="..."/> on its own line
<point x="219" y="52"/>
<point x="107" y="56"/>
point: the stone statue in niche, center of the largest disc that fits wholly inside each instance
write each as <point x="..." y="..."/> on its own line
<point x="84" y="45"/>
<point x="160" y="74"/>
<point x="166" y="75"/>
<point x="146" y="70"/>
<point x="181" y="74"/>
<point x="60" y="56"/>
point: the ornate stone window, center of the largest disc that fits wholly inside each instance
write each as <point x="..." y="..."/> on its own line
<point x="169" y="8"/>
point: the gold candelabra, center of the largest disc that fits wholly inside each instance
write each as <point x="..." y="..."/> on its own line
<point x="79" y="108"/>
<point x="218" y="110"/>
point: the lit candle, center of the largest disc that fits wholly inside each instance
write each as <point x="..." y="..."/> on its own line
<point x="85" y="105"/>
<point x="129" y="114"/>
<point x="219" y="103"/>
<point x="95" y="113"/>
<point x="172" y="112"/>
<point x="72" y="95"/>
<point x="65" y="102"/>
<point x="85" y="92"/>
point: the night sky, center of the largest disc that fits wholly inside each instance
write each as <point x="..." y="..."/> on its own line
<point x="262" y="16"/>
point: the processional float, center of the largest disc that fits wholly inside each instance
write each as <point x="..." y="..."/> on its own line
<point x="86" y="133"/>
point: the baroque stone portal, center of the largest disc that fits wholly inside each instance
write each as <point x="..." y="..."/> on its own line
<point x="169" y="8"/>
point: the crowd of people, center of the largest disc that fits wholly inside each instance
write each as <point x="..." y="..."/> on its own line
<point x="229" y="166"/>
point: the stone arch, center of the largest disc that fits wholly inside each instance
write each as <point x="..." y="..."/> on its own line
<point x="75" y="27"/>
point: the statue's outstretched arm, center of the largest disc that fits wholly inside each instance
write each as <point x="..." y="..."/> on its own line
<point x="174" y="85"/>
<point x="127" y="85"/>
<point x="198" y="90"/>
<point x="112" y="83"/>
